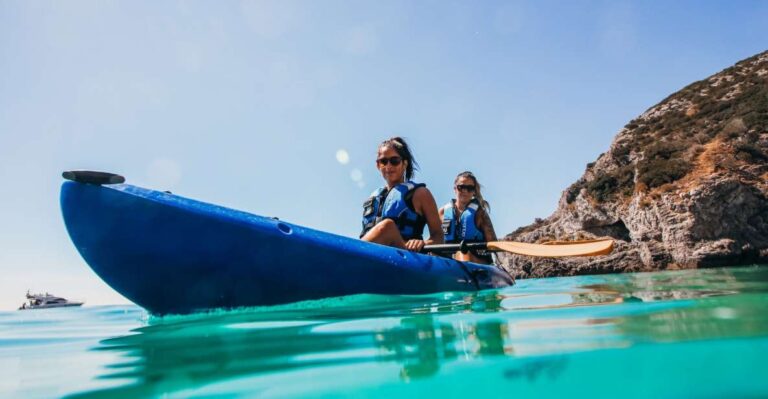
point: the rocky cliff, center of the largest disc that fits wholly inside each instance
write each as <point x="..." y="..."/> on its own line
<point x="683" y="185"/>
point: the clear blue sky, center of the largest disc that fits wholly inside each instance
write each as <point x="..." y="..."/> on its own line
<point x="246" y="104"/>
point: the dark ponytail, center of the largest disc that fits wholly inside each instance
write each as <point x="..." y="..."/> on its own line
<point x="401" y="147"/>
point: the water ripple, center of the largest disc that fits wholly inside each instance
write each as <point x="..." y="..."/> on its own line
<point x="543" y="331"/>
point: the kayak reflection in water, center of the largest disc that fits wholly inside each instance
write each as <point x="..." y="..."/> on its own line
<point x="466" y="217"/>
<point x="396" y="214"/>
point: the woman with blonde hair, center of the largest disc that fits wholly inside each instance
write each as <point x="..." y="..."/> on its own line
<point x="465" y="217"/>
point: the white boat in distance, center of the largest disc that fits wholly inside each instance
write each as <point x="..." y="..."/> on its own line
<point x="40" y="301"/>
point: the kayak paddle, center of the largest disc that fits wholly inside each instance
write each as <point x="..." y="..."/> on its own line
<point x="554" y="249"/>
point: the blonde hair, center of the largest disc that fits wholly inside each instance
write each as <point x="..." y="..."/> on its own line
<point x="478" y="193"/>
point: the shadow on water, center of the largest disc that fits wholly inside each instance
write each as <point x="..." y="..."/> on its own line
<point x="535" y="325"/>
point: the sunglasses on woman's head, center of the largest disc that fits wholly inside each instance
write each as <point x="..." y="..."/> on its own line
<point x="466" y="187"/>
<point x="391" y="160"/>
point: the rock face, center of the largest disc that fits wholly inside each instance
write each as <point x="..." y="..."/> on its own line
<point x="684" y="185"/>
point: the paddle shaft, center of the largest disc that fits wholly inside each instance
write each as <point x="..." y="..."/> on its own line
<point x="464" y="247"/>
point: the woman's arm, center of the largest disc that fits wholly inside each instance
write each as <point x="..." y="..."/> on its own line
<point x="424" y="203"/>
<point x="484" y="224"/>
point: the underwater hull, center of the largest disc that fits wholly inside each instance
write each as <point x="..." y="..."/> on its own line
<point x="170" y="254"/>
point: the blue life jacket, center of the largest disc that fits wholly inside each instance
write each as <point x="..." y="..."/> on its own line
<point x="395" y="204"/>
<point x="462" y="228"/>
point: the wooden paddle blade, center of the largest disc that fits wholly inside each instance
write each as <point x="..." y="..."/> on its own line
<point x="591" y="248"/>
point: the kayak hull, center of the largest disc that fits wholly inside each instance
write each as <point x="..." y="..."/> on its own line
<point x="171" y="254"/>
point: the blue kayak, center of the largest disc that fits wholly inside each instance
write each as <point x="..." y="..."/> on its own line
<point x="174" y="255"/>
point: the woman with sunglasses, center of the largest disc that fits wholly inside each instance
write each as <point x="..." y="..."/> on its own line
<point x="466" y="217"/>
<point x="396" y="213"/>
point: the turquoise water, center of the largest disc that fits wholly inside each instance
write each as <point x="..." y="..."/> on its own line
<point x="695" y="333"/>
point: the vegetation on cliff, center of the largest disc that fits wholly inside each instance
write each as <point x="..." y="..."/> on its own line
<point x="662" y="145"/>
<point x="685" y="184"/>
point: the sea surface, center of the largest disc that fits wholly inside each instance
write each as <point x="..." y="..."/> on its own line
<point x="677" y="334"/>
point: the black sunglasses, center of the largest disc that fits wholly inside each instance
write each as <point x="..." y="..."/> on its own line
<point x="466" y="187"/>
<point x="393" y="160"/>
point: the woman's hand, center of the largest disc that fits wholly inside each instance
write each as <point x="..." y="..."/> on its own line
<point x="414" y="245"/>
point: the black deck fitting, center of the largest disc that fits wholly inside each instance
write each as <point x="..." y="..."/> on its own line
<point x="93" y="177"/>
